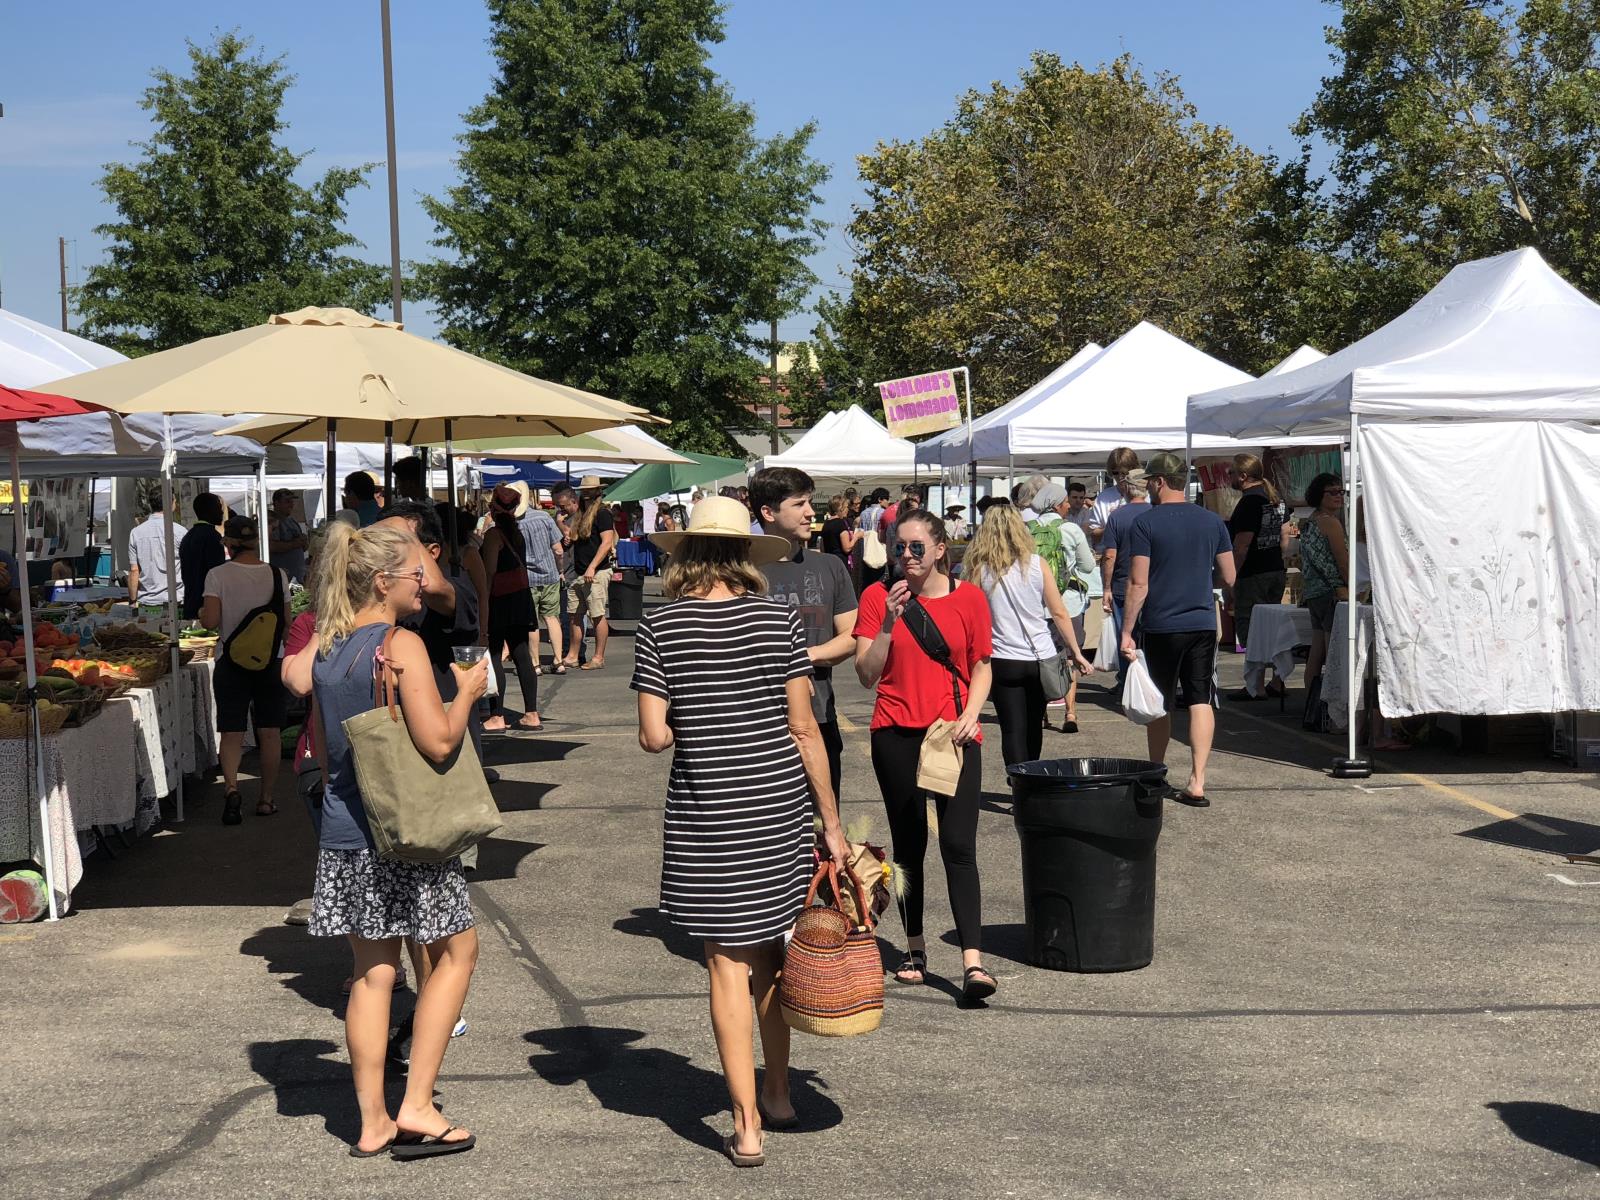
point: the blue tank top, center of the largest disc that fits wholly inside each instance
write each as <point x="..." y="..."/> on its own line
<point x="342" y="682"/>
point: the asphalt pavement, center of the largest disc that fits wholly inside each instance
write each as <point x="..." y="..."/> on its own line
<point x="1349" y="998"/>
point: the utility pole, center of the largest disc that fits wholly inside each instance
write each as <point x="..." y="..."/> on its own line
<point x="771" y="379"/>
<point x="394" y="237"/>
<point x="62" y="243"/>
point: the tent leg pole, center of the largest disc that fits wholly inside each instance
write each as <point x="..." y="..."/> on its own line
<point x="450" y="486"/>
<point x="1011" y="474"/>
<point x="265" y="508"/>
<point x="1352" y="767"/>
<point x="167" y="462"/>
<point x="35" y="733"/>
<point x="1188" y="458"/>
<point x="330" y="471"/>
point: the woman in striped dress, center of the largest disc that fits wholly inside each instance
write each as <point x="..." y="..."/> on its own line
<point x="724" y="681"/>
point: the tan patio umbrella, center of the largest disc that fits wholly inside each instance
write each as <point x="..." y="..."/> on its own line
<point x="624" y="444"/>
<point x="321" y="372"/>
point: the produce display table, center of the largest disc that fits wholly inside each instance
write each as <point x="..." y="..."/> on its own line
<point x="638" y="554"/>
<point x="112" y="771"/>
<point x="1275" y="630"/>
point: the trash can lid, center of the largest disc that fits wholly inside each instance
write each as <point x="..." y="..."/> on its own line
<point x="1071" y="771"/>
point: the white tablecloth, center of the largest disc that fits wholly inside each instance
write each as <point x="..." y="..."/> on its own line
<point x="1275" y="630"/>
<point x="1336" y="674"/>
<point x="90" y="779"/>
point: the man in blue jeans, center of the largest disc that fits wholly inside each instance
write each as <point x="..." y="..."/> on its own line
<point x="1176" y="549"/>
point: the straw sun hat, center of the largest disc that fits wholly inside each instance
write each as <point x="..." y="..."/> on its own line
<point x="520" y="506"/>
<point x="591" y="483"/>
<point x="724" y="517"/>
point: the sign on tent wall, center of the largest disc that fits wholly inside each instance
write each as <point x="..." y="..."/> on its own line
<point x="1484" y="608"/>
<point x="920" y="404"/>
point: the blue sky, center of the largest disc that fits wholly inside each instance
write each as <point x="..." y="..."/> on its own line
<point x="863" y="70"/>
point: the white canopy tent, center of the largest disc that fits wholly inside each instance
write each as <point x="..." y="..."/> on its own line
<point x="951" y="448"/>
<point x="1133" y="393"/>
<point x="1495" y="373"/>
<point x="849" y="448"/>
<point x="1302" y="357"/>
<point x="31" y="353"/>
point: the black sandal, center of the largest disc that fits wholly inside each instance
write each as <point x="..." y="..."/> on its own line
<point x="430" y="1145"/>
<point x="915" y="960"/>
<point x="974" y="988"/>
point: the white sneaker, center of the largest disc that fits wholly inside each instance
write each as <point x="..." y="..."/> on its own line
<point x="1061" y="703"/>
<point x="461" y="1028"/>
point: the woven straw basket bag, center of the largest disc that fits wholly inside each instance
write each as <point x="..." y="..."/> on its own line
<point x="832" y="982"/>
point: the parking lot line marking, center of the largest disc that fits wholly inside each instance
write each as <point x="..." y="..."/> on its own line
<point x="1572" y="882"/>
<point x="1494" y="810"/>
<point x="846" y="724"/>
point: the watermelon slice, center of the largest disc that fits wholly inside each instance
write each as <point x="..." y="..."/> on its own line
<point x="22" y="897"/>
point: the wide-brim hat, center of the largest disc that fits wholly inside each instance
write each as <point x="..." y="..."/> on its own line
<point x="724" y="517"/>
<point x="591" y="483"/>
<point x="521" y="489"/>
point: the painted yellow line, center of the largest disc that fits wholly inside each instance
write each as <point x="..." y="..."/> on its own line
<point x="846" y="724"/>
<point x="1444" y="789"/>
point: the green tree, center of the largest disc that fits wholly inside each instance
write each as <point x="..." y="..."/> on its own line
<point x="212" y="232"/>
<point x="1461" y="128"/>
<point x="1041" y="216"/>
<point x="618" y="225"/>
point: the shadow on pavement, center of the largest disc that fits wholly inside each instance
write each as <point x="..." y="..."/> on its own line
<point x="652" y="923"/>
<point x="312" y="968"/>
<point x="660" y="1084"/>
<point x="1009" y="941"/>
<point x="1572" y="1132"/>
<point x="499" y="858"/>
<point x="508" y="751"/>
<point x="308" y="1083"/>
<point x="516" y="795"/>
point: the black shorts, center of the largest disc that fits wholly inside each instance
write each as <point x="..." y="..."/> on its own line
<point x="1186" y="661"/>
<point x="241" y="694"/>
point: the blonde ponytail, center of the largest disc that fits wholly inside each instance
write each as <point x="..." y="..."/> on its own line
<point x="1249" y="466"/>
<point x="347" y="573"/>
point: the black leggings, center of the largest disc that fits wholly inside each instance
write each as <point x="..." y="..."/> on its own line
<point x="1019" y="703"/>
<point x="833" y="742"/>
<point x="894" y="759"/>
<point x="521" y="658"/>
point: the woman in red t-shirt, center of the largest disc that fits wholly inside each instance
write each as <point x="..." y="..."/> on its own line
<point x="914" y="691"/>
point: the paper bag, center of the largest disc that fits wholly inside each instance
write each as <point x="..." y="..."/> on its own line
<point x="939" y="763"/>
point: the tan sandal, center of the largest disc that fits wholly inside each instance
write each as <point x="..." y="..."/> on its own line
<point x="759" y="1158"/>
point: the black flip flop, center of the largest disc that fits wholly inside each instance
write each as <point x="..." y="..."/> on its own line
<point x="1191" y="801"/>
<point x="358" y="1152"/>
<point x="772" y="1123"/>
<point x="431" y="1145"/>
<point x="974" y="988"/>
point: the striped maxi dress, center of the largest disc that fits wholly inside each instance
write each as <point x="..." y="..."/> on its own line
<point x="736" y="846"/>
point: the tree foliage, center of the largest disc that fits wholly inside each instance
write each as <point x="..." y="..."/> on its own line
<point x="618" y="226"/>
<point x="1461" y="128"/>
<point x="213" y="233"/>
<point x="1044" y="215"/>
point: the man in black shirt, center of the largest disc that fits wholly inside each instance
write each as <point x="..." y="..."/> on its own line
<point x="1258" y="534"/>
<point x="590" y="531"/>
<point x="200" y="550"/>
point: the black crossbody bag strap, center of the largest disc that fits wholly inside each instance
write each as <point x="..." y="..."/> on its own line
<point x="920" y="624"/>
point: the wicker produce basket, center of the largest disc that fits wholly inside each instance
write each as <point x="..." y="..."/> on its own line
<point x="14" y="723"/>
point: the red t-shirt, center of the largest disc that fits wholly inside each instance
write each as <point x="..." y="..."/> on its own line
<point x="914" y="691"/>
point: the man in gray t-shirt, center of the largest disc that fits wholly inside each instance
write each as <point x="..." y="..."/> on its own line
<point x="148" y="566"/>
<point x="816" y="585"/>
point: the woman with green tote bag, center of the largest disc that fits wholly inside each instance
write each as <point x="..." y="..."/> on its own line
<point x="367" y="579"/>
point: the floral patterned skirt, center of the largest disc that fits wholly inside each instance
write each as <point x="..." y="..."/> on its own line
<point x="358" y="893"/>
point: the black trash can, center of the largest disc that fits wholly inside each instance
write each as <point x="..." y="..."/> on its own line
<point x="626" y="599"/>
<point x="1088" y="828"/>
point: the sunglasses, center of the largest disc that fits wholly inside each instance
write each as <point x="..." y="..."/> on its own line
<point x="1333" y="492"/>
<point x="918" y="549"/>
<point x="417" y="575"/>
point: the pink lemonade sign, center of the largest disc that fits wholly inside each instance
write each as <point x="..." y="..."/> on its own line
<point x="921" y="403"/>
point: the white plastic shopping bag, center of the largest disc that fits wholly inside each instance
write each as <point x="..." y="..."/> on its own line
<point x="1109" y="649"/>
<point x="1141" y="698"/>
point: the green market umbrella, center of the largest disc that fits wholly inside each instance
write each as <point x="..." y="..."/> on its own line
<point x="659" y="479"/>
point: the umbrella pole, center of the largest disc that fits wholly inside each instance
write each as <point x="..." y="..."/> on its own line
<point x="167" y="461"/>
<point x="452" y="530"/>
<point x="388" y="459"/>
<point x="34" y="733"/>
<point x="330" y="469"/>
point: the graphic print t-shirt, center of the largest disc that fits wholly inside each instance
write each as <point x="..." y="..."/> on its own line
<point x="818" y="588"/>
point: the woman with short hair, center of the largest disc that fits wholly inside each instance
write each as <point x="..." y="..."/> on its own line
<point x="914" y="691"/>
<point x="724" y="681"/>
<point x="1260" y="536"/>
<point x="1023" y="602"/>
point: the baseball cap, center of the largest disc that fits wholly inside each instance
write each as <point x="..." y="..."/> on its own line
<point x="240" y="529"/>
<point x="1165" y="464"/>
